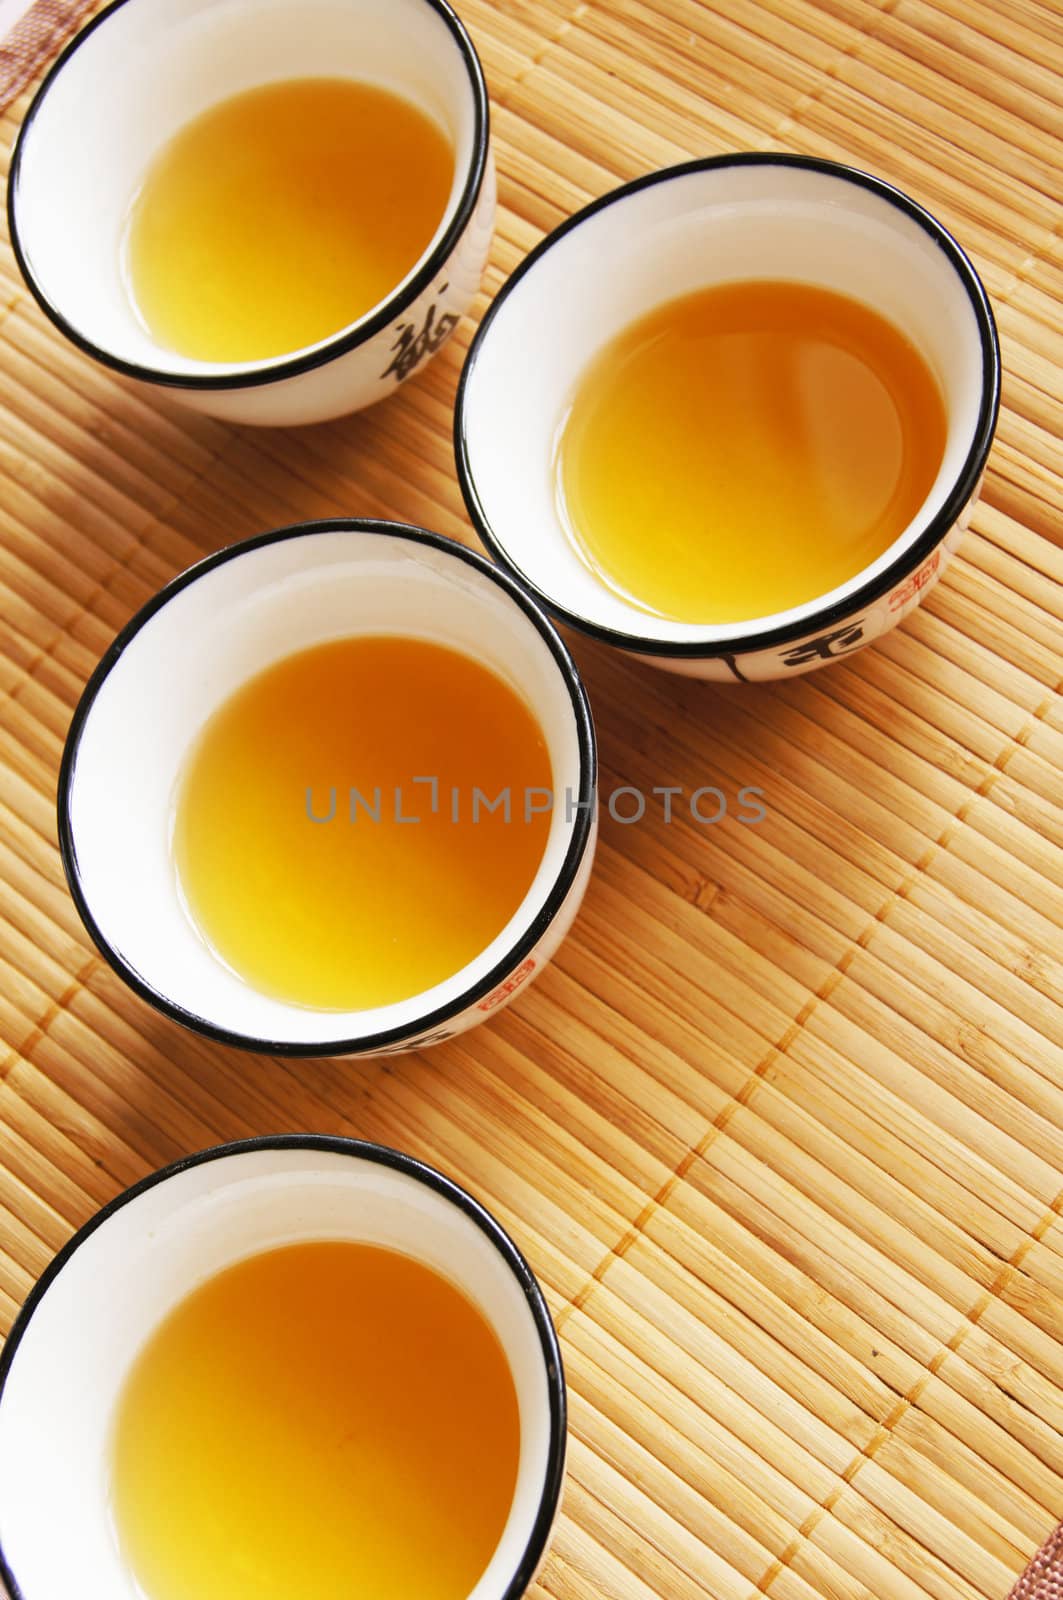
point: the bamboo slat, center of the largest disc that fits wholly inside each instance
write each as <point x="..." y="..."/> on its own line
<point x="781" y="1130"/>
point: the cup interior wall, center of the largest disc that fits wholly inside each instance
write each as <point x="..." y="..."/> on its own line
<point x="213" y="635"/>
<point x="57" y="1407"/>
<point x="85" y="153"/>
<point x="670" y="238"/>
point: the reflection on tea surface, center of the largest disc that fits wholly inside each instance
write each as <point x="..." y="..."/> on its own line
<point x="746" y="449"/>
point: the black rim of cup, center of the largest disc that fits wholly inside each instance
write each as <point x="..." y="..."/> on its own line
<point x="441" y="1185"/>
<point x="818" y="616"/>
<point x="366" y="1044"/>
<point x="290" y="366"/>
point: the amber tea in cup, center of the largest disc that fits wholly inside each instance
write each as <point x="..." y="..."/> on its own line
<point x="281" y="1433"/>
<point x="284" y="213"/>
<point x="745" y="448"/>
<point x="358" y="821"/>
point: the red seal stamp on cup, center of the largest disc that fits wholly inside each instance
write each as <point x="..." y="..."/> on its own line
<point x="915" y="583"/>
<point x="520" y="975"/>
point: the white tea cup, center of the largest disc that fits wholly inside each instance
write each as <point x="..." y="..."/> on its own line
<point x="220" y="624"/>
<point x="139" y="73"/>
<point x="736" y="218"/>
<point x="65" y="1362"/>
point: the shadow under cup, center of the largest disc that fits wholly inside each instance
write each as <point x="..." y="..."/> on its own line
<point x="82" y="1328"/>
<point x="217" y="626"/>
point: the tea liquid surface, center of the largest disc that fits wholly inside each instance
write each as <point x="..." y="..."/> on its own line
<point x="294" y="840"/>
<point x="329" y="1419"/>
<point x="747" y="448"/>
<point x="282" y="214"/>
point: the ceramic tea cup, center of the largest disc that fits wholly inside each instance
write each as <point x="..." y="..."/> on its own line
<point x="220" y="624"/>
<point x="143" y="69"/>
<point x="64" y="1364"/>
<point x="716" y="221"/>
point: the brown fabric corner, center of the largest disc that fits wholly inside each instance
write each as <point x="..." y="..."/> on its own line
<point x="1043" y="1578"/>
<point x="35" y="38"/>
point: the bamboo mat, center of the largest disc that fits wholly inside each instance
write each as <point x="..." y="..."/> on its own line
<point x="781" y="1130"/>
